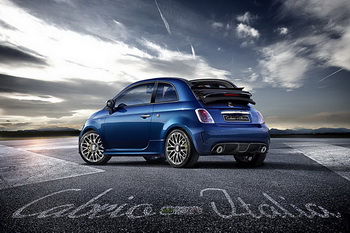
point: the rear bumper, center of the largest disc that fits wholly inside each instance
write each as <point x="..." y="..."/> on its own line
<point x="236" y="148"/>
<point x="237" y="139"/>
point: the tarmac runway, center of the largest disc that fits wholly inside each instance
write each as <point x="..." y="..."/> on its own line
<point x="303" y="186"/>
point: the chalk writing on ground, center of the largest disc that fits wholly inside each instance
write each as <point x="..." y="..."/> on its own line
<point x="271" y="207"/>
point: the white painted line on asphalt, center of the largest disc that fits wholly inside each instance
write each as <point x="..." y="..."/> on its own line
<point x="284" y="151"/>
<point x="48" y="147"/>
<point x="19" y="167"/>
<point x="335" y="158"/>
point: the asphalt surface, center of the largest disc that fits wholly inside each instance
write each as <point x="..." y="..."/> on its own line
<point x="304" y="186"/>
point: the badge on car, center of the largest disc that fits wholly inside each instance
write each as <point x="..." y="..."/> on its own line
<point x="236" y="117"/>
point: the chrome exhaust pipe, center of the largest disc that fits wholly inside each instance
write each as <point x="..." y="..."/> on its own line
<point x="219" y="149"/>
<point x="263" y="149"/>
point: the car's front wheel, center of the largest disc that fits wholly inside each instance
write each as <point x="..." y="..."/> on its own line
<point x="253" y="160"/>
<point x="91" y="149"/>
<point x="179" y="150"/>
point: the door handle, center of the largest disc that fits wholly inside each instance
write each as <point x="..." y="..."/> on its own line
<point x="144" y="116"/>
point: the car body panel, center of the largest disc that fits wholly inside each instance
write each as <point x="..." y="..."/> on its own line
<point x="128" y="123"/>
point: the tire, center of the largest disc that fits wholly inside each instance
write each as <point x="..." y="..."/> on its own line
<point x="154" y="159"/>
<point x="179" y="150"/>
<point x="91" y="149"/>
<point x="253" y="160"/>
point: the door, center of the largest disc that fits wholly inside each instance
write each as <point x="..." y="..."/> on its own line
<point x="129" y="126"/>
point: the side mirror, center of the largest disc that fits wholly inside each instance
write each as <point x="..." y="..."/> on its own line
<point x="110" y="105"/>
<point x="121" y="105"/>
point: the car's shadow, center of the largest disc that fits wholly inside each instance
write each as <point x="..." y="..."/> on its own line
<point x="136" y="164"/>
<point x="222" y="165"/>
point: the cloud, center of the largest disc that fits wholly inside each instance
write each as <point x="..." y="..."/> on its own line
<point x="216" y="25"/>
<point x="336" y="51"/>
<point x="73" y="55"/>
<point x="333" y="38"/>
<point x="336" y="118"/>
<point x="253" y="77"/>
<point x="35" y="98"/>
<point x="9" y="55"/>
<point x="123" y="33"/>
<point x="45" y="104"/>
<point x="249" y="34"/>
<point x="6" y="25"/>
<point x="45" y="99"/>
<point x="18" y="122"/>
<point x="173" y="63"/>
<point x="282" y="30"/>
<point x="245" y="31"/>
<point x="63" y="1"/>
<point x="286" y="63"/>
<point x="246" y="18"/>
<point x="322" y="9"/>
<point x="283" y="65"/>
<point x="12" y="126"/>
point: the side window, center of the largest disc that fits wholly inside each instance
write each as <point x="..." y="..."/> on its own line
<point x="141" y="94"/>
<point x="165" y="93"/>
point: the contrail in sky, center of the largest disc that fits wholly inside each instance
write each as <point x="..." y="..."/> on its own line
<point x="193" y="52"/>
<point x="164" y="20"/>
<point x="331" y="75"/>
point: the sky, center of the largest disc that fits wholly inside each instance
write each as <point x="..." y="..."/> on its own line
<point x="60" y="60"/>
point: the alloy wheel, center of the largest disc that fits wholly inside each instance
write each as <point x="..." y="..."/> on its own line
<point x="91" y="147"/>
<point x="177" y="147"/>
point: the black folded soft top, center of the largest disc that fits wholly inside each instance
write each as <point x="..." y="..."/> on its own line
<point x="213" y="90"/>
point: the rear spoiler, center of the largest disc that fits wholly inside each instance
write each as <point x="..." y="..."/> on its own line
<point x="210" y="95"/>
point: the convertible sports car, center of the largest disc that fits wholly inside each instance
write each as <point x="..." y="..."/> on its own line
<point x="177" y="120"/>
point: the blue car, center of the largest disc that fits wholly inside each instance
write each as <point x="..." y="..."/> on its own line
<point x="177" y="120"/>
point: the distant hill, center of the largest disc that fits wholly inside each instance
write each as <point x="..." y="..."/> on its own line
<point x="309" y="131"/>
<point x="321" y="132"/>
<point x="55" y="132"/>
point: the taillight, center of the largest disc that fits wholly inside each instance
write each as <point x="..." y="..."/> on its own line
<point x="204" y="116"/>
<point x="261" y="118"/>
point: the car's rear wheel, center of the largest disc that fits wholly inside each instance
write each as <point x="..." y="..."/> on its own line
<point x="179" y="150"/>
<point x="154" y="159"/>
<point x="253" y="160"/>
<point x="91" y="149"/>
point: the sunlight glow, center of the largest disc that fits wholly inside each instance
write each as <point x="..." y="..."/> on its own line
<point x="41" y="98"/>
